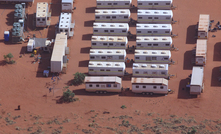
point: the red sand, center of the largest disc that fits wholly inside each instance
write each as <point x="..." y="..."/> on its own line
<point x="20" y="84"/>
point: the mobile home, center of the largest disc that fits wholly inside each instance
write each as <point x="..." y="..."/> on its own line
<point x="203" y="26"/>
<point x="150" y="70"/>
<point x="154" y="29"/>
<point x="114" y="3"/>
<point x="112" y="42"/>
<point x="114" y="55"/>
<point x="106" y="68"/>
<point x="117" y="29"/>
<point x="155" y="4"/>
<point x="154" y="16"/>
<point x="103" y="84"/>
<point x="196" y="84"/>
<point x="67" y="6"/>
<point x="201" y="50"/>
<point x="42" y="15"/>
<point x="112" y="15"/>
<point x="152" y="56"/>
<point x="148" y="42"/>
<point x="149" y="85"/>
<point x="65" y="24"/>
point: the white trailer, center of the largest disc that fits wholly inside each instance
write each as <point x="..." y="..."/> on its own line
<point x="149" y="85"/>
<point x="196" y="84"/>
<point x="114" y="3"/>
<point x="152" y="56"/>
<point x="155" y="4"/>
<point x="106" y="68"/>
<point x="203" y="26"/>
<point x="67" y="6"/>
<point x="30" y="45"/>
<point x="154" y="29"/>
<point x="65" y="24"/>
<point x="113" y="55"/>
<point x="161" y="42"/>
<point x="112" y="42"/>
<point x="155" y="16"/>
<point x="103" y="84"/>
<point x="42" y="15"/>
<point x="112" y="15"/>
<point x="117" y="29"/>
<point x="58" y="53"/>
<point x="201" y="50"/>
<point x="150" y="70"/>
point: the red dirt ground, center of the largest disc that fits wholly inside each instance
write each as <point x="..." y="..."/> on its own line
<point x="23" y="84"/>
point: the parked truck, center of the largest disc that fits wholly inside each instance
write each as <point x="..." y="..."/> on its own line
<point x="196" y="84"/>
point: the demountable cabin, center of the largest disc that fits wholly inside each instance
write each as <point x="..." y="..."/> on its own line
<point x="154" y="29"/>
<point x="155" y="4"/>
<point x="42" y="15"/>
<point x="117" y="4"/>
<point x="203" y="26"/>
<point x="67" y="6"/>
<point x="201" y="50"/>
<point x="196" y="84"/>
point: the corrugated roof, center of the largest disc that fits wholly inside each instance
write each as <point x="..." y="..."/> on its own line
<point x="203" y="22"/>
<point x="201" y="47"/>
<point x="150" y="80"/>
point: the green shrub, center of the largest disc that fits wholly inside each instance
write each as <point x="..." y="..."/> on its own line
<point x="78" y="78"/>
<point x="68" y="96"/>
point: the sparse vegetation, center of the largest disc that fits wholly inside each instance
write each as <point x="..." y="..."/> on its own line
<point x="78" y="78"/>
<point x="8" y="58"/>
<point x="123" y="107"/>
<point x="68" y="96"/>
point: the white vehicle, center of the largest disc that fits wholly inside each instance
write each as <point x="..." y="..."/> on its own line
<point x="111" y="42"/>
<point x="42" y="15"/>
<point x="201" y="50"/>
<point x="67" y="6"/>
<point x="154" y="16"/>
<point x="203" y="26"/>
<point x="152" y="56"/>
<point x="196" y="84"/>
<point x="30" y="45"/>
<point x="112" y="15"/>
<point x="149" y="85"/>
<point x="106" y="68"/>
<point x="114" y="3"/>
<point x="148" y="42"/>
<point x="155" y="4"/>
<point x="65" y="24"/>
<point x="58" y="53"/>
<point x="113" y="55"/>
<point x="150" y="70"/>
<point x="154" y="29"/>
<point x="103" y="84"/>
<point x="118" y="29"/>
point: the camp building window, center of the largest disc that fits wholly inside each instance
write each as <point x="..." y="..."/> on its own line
<point x="136" y="72"/>
<point x="108" y="85"/>
<point x="155" y="3"/>
<point x="150" y="4"/>
<point x="90" y="85"/>
<point x="97" y="17"/>
<point x="145" y="72"/>
<point x="139" y="3"/>
<point x="144" y="86"/>
<point x="93" y="43"/>
<point x="103" y="57"/>
<point x="109" y="57"/>
<point x="124" y="31"/>
<point x="167" y="3"/>
<point x="121" y="57"/>
<point x="149" y="31"/>
<point x="167" y="31"/>
<point x="137" y="86"/>
<point x="115" y="85"/>
<point x="155" y="44"/>
<point x="156" y="18"/>
<point x="95" y="30"/>
<point x="91" y="69"/>
<point x="120" y="70"/>
<point x="125" y="17"/>
<point x="126" y="3"/>
<point x="138" y="31"/>
<point x="111" y="30"/>
<point x="115" y="3"/>
<point x="61" y="30"/>
<point x="149" y="44"/>
<point x="154" y="87"/>
<point x="138" y="44"/>
<point x="154" y="72"/>
<point x="154" y="31"/>
<point x="109" y="4"/>
<point x="104" y="44"/>
<point x="101" y="69"/>
<point x="108" y="70"/>
<point x="122" y="44"/>
<point x="149" y="17"/>
<point x="163" y="73"/>
<point x="137" y="57"/>
<point x="108" y="17"/>
<point x="106" y="31"/>
<point x="113" y="17"/>
<point x="139" y="17"/>
<point x="165" y="58"/>
<point x="66" y="30"/>
<point x="97" y="85"/>
<point x="98" y="3"/>
<point x="167" y="18"/>
<point x="161" y="87"/>
<point x="111" y="44"/>
<point x="167" y="44"/>
<point x="92" y="57"/>
<point x="154" y="58"/>
<point x="38" y="19"/>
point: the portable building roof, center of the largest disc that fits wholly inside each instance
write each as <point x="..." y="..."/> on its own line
<point x="67" y="1"/>
<point x="153" y="52"/>
<point x="154" y="26"/>
<point x="155" y="12"/>
<point x="112" y="11"/>
<point x="107" y="52"/>
<point x="114" y="0"/>
<point x="42" y="8"/>
<point x="111" y="25"/>
<point x="150" y="66"/>
<point x="201" y="47"/>
<point x="158" y="81"/>
<point x="65" y="20"/>
<point x="203" y="22"/>
<point x="106" y="64"/>
<point x="109" y="38"/>
<point x="153" y="39"/>
<point x="197" y="76"/>
<point x="156" y="0"/>
<point x="100" y="79"/>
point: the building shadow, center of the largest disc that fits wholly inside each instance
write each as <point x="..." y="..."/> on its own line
<point x="83" y="63"/>
<point x="85" y="50"/>
<point x="216" y="74"/>
<point x="7" y="6"/>
<point x="85" y="93"/>
<point x="217" y="52"/>
<point x="10" y="18"/>
<point x="133" y="10"/>
<point x="129" y="93"/>
<point x="51" y="32"/>
<point x="132" y="24"/>
<point x="86" y="36"/>
<point x="3" y="63"/>
<point x="188" y="56"/>
<point x="23" y="50"/>
<point x="183" y="92"/>
<point x="132" y="37"/>
<point x="89" y="23"/>
<point x="90" y="9"/>
<point x="56" y="6"/>
<point x="31" y="21"/>
<point x="191" y="34"/>
<point x="44" y="63"/>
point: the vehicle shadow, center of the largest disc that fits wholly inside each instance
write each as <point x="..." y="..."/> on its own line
<point x="217" y="52"/>
<point x="191" y="34"/>
<point x="188" y="56"/>
<point x="216" y="74"/>
<point x="183" y="92"/>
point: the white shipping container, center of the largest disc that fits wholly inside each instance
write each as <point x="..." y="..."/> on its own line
<point x="196" y="84"/>
<point x="154" y="29"/>
<point x="155" y="4"/>
<point x="114" y="3"/>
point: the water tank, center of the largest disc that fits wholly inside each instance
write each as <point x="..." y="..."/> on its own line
<point x="6" y="35"/>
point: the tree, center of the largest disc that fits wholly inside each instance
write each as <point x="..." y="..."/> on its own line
<point x="8" y="58"/>
<point x="78" y="78"/>
<point x="68" y="96"/>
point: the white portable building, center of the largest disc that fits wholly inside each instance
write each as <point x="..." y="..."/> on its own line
<point x="150" y="70"/>
<point x="154" y="16"/>
<point x="114" y="55"/>
<point x="42" y="15"/>
<point x="155" y="4"/>
<point x="152" y="56"/>
<point x="67" y="6"/>
<point x="106" y="68"/>
<point x="114" y="3"/>
<point x="154" y="29"/>
<point x="112" y="15"/>
<point x="148" y="42"/>
<point x="65" y="24"/>
<point x="201" y="50"/>
<point x="196" y="84"/>
<point x="58" y="53"/>
<point x="203" y="26"/>
<point x="117" y="29"/>
<point x="30" y="45"/>
<point x="112" y="42"/>
<point x="149" y="85"/>
<point x="103" y="84"/>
